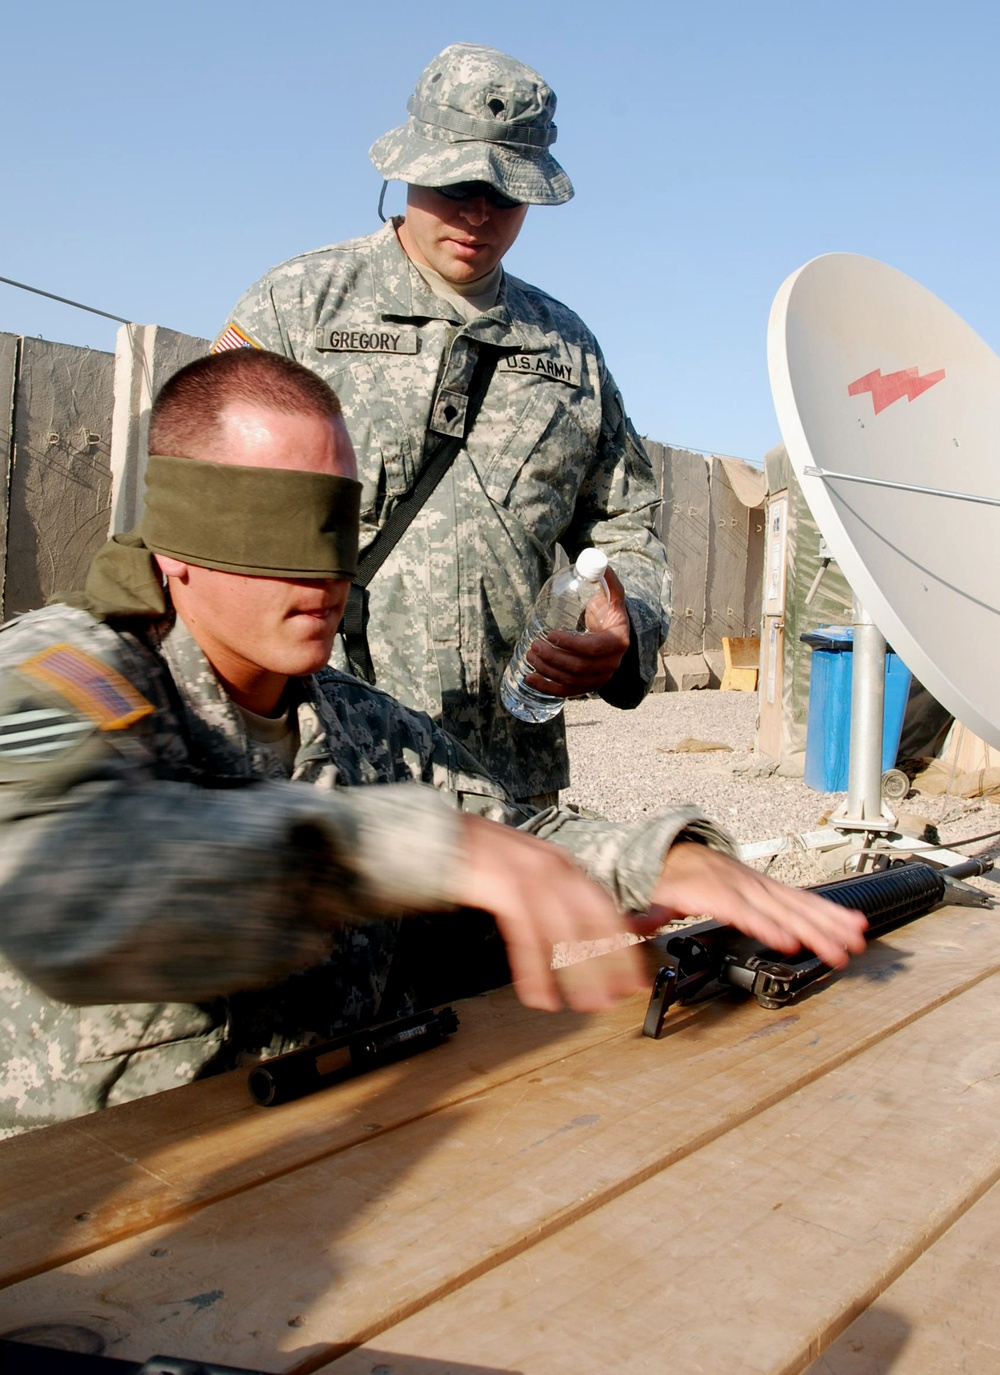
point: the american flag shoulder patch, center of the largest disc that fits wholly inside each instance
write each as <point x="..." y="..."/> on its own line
<point x="92" y="686"/>
<point x="232" y="337"/>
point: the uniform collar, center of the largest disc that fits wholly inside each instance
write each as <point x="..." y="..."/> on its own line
<point x="400" y="293"/>
<point x="211" y="722"/>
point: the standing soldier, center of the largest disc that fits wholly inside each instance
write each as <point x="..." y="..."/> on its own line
<point x="487" y="426"/>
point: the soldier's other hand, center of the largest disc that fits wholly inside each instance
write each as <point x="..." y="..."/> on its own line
<point x="540" y="897"/>
<point x="698" y="881"/>
<point x="568" y="664"/>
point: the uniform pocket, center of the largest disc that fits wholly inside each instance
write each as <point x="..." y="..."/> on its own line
<point x="537" y="473"/>
<point x="108" y="1032"/>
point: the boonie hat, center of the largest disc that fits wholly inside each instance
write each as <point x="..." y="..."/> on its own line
<point x="478" y="115"/>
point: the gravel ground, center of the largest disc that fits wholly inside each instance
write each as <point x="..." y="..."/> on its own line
<point x="625" y="764"/>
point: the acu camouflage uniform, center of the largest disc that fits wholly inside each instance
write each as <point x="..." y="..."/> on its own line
<point x="551" y="459"/>
<point x="161" y="883"/>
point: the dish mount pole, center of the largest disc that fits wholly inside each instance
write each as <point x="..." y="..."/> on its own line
<point x="864" y="809"/>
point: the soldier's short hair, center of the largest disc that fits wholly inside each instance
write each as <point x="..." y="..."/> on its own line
<point x="185" y="414"/>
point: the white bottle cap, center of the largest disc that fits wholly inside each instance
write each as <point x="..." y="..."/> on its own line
<point x="592" y="564"/>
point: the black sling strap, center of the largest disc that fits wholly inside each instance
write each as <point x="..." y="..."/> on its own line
<point x="440" y="451"/>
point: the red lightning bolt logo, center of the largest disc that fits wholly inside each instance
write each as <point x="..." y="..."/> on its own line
<point x="885" y="390"/>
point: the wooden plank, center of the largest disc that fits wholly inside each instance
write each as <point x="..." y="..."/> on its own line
<point x="770" y="724"/>
<point x="749" y="1254"/>
<point x="742" y="657"/>
<point x="60" y="488"/>
<point x="290" y="1270"/>
<point x="9" y="347"/>
<point x="685" y="535"/>
<point x="940" y="1315"/>
<point x="73" y="1188"/>
<point x="769" y="730"/>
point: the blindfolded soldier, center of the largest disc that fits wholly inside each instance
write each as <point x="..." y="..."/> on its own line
<point x="195" y="869"/>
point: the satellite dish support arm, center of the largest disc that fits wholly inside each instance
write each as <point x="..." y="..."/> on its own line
<point x="864" y="808"/>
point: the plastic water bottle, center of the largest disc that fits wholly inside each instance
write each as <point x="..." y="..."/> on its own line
<point x="560" y="605"/>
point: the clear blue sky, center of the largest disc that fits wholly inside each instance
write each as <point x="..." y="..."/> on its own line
<point x="156" y="159"/>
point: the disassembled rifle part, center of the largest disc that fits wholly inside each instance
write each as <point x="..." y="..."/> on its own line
<point x="29" y="1355"/>
<point x="315" y="1067"/>
<point x="705" y="958"/>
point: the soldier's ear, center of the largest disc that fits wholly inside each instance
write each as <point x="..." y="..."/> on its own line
<point x="171" y="568"/>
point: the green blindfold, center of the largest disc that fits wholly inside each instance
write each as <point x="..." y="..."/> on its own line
<point x="261" y="522"/>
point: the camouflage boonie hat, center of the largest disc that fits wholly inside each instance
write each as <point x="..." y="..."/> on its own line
<point x="478" y="115"/>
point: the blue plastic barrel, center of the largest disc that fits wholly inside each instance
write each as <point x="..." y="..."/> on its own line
<point x="828" y="732"/>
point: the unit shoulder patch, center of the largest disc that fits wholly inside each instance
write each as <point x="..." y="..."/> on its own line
<point x="33" y="735"/>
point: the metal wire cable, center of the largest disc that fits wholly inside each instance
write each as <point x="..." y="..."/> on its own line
<point x="955" y="844"/>
<point x="65" y="300"/>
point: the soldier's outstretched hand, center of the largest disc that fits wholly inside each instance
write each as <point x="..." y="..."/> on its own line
<point x="699" y="881"/>
<point x="540" y="897"/>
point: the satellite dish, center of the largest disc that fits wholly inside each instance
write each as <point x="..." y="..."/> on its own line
<point x="889" y="406"/>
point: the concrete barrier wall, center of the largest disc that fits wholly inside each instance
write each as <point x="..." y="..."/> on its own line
<point x="145" y="356"/>
<point x="57" y="487"/>
<point x="712" y="524"/>
<point x="73" y="424"/>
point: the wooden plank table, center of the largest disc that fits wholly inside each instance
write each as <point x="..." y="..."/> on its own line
<point x="808" y="1189"/>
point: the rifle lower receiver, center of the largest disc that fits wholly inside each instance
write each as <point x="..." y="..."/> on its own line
<point x="709" y="955"/>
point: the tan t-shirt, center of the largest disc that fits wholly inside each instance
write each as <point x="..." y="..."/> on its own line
<point x="469" y="298"/>
<point x="277" y="736"/>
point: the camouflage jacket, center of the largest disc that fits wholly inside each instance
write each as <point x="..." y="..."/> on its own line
<point x="155" y="872"/>
<point x="551" y="459"/>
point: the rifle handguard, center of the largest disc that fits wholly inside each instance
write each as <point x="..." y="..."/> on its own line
<point x="709" y="954"/>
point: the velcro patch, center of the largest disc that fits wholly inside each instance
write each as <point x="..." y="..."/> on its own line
<point x="556" y="369"/>
<point x="232" y="337"/>
<point x="370" y="339"/>
<point x="91" y="685"/>
<point x="39" y="733"/>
